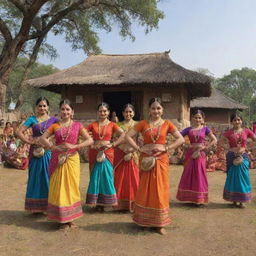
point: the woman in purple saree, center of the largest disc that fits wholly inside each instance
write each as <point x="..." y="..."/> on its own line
<point x="193" y="185"/>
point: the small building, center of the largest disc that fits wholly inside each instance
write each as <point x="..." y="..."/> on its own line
<point x="132" y="78"/>
<point x="218" y="108"/>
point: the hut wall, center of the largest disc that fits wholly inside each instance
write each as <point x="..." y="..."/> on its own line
<point x="220" y="116"/>
<point x="87" y="110"/>
<point x="175" y="101"/>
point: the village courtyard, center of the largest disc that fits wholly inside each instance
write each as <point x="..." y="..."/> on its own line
<point x="217" y="229"/>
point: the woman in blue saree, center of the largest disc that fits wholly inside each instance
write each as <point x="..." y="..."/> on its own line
<point x="237" y="187"/>
<point x="38" y="178"/>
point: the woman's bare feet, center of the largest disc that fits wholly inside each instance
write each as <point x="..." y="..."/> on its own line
<point x="100" y="208"/>
<point x="161" y="231"/>
<point x="72" y="225"/>
<point x="241" y="205"/>
<point x="234" y="204"/>
<point x="64" y="226"/>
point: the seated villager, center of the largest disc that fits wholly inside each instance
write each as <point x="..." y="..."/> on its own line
<point x="19" y="159"/>
<point x="211" y="161"/>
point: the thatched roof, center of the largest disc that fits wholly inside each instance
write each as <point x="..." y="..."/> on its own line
<point x="144" y="70"/>
<point x="216" y="100"/>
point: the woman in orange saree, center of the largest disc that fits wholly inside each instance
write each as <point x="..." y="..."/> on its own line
<point x="151" y="208"/>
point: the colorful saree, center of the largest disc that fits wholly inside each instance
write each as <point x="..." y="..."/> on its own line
<point x="64" y="201"/>
<point x="126" y="176"/>
<point x="38" y="179"/>
<point x="101" y="190"/>
<point x="151" y="207"/>
<point x="238" y="186"/>
<point x="193" y="186"/>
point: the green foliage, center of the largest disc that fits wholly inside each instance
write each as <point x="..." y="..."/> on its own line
<point x="30" y="94"/>
<point x="24" y="26"/>
<point x="81" y="24"/>
<point x="240" y="85"/>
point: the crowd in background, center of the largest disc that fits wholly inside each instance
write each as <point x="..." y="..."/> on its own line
<point x="15" y="153"/>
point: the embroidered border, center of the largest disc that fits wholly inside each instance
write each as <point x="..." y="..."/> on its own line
<point x="101" y="199"/>
<point x="192" y="196"/>
<point x="150" y="217"/>
<point x="64" y="214"/>
<point x="36" y="205"/>
<point x="237" y="196"/>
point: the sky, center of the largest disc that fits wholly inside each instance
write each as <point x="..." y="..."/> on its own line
<point x="218" y="35"/>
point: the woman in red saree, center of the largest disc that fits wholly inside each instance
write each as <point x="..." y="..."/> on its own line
<point x="151" y="207"/>
<point x="126" y="165"/>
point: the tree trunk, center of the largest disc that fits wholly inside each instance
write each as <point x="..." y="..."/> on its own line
<point x="2" y="99"/>
<point x="7" y="62"/>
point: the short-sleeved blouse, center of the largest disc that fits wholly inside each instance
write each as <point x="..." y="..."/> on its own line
<point x="104" y="132"/>
<point x="240" y="138"/>
<point x="39" y="128"/>
<point x="196" y="135"/>
<point x="148" y="133"/>
<point x="71" y="133"/>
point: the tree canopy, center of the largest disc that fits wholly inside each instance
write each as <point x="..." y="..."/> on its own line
<point x="30" y="94"/>
<point x="24" y="25"/>
<point x="240" y="85"/>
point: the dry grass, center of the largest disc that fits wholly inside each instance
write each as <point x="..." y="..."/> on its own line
<point x="216" y="229"/>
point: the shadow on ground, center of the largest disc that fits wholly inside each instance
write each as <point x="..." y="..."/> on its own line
<point x="24" y="219"/>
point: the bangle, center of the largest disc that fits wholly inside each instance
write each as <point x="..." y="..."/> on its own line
<point x="166" y="148"/>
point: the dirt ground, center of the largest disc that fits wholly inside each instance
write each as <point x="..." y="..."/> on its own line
<point x="216" y="229"/>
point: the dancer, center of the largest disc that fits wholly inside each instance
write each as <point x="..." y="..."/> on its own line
<point x="193" y="186"/>
<point x="101" y="191"/>
<point x="151" y="207"/>
<point x="39" y="157"/>
<point x="126" y="171"/>
<point x="64" y="202"/>
<point x="237" y="187"/>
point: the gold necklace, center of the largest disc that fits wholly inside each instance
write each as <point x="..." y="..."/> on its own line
<point x="155" y="124"/>
<point x="64" y="137"/>
<point x="155" y="138"/>
<point x="40" y="119"/>
<point x="128" y="125"/>
<point x="104" y="124"/>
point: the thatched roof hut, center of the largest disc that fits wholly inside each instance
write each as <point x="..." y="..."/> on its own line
<point x="218" y="107"/>
<point x="154" y="73"/>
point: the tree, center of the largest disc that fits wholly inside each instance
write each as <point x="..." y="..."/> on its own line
<point x="24" y="25"/>
<point x="240" y="85"/>
<point x="30" y="94"/>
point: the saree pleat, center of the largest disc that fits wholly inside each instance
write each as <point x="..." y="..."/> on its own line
<point x="193" y="186"/>
<point x="237" y="186"/>
<point x="126" y="180"/>
<point x="101" y="190"/>
<point x="64" y="202"/>
<point x="38" y="184"/>
<point x="151" y="207"/>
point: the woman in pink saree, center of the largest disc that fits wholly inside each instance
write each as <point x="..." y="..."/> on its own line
<point x="64" y="202"/>
<point x="193" y="185"/>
